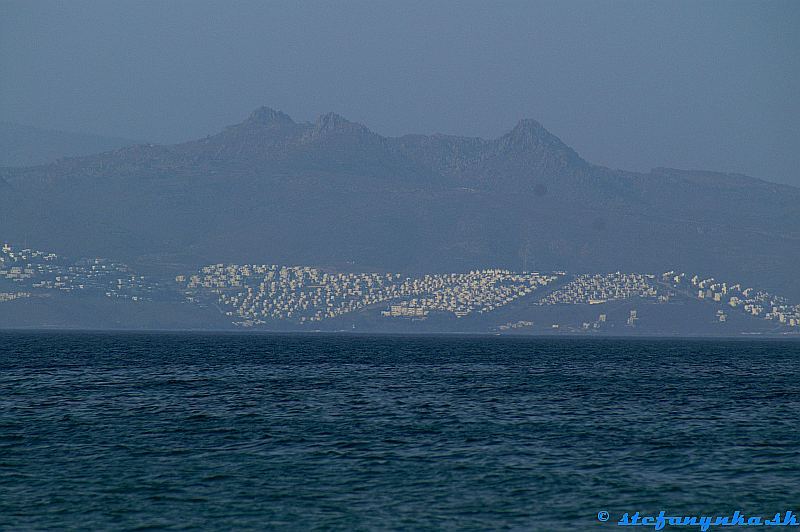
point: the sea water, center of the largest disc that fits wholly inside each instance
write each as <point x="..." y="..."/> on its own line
<point x="128" y="431"/>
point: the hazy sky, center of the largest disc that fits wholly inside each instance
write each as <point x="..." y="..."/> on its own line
<point x="632" y="85"/>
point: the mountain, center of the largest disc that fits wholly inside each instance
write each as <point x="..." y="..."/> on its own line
<point x="335" y="194"/>
<point x="27" y="146"/>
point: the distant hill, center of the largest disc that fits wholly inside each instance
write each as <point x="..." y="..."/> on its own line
<point x="333" y="193"/>
<point x="27" y="146"/>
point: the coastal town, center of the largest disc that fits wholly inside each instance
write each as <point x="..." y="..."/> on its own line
<point x="461" y="294"/>
<point x="594" y="289"/>
<point x="734" y="297"/>
<point x="32" y="272"/>
<point x="260" y="295"/>
<point x="254" y="295"/>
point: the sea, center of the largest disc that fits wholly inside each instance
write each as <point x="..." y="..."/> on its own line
<point x="188" y="431"/>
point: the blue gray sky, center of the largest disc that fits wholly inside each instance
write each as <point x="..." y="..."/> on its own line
<point x="628" y="84"/>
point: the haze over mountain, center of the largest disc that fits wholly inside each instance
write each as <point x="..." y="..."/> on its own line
<point x="335" y="194"/>
<point x="26" y="145"/>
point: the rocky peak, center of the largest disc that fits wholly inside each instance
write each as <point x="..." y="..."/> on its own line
<point x="333" y="124"/>
<point x="529" y="136"/>
<point x="529" y="132"/>
<point x="266" y="116"/>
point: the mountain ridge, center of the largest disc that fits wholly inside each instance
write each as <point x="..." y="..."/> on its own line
<point x="333" y="192"/>
<point x="22" y="145"/>
<point x="527" y="135"/>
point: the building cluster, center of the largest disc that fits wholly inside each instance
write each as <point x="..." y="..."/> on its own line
<point x="40" y="271"/>
<point x="464" y="293"/>
<point x="600" y="288"/>
<point x="601" y="320"/>
<point x="260" y="294"/>
<point x="757" y="303"/>
<point x="257" y="294"/>
<point x="11" y="296"/>
<point x="512" y="325"/>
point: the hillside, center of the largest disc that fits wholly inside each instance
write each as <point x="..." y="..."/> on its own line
<point x="335" y="194"/>
<point x="27" y="146"/>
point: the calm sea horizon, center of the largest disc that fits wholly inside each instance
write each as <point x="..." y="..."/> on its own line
<point x="194" y="430"/>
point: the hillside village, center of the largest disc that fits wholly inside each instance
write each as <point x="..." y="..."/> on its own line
<point x="255" y="295"/>
<point x="263" y="295"/>
<point x="27" y="272"/>
<point x="258" y="293"/>
<point x="736" y="298"/>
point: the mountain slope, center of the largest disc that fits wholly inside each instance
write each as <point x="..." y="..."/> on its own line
<point x="333" y="193"/>
<point x="26" y="146"/>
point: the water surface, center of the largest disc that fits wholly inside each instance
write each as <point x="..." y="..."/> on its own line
<point x="182" y="431"/>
